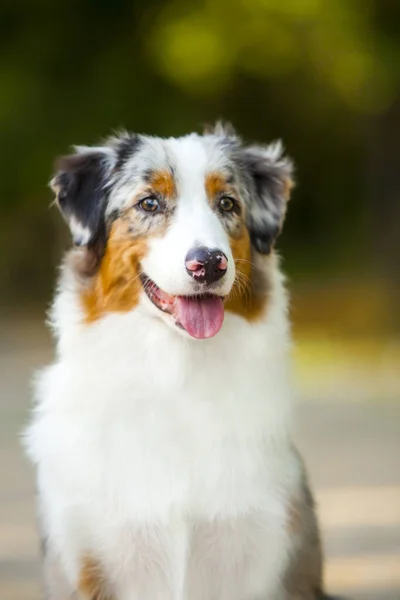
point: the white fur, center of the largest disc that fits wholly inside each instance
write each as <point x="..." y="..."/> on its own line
<point x="80" y="233"/>
<point x="168" y="459"/>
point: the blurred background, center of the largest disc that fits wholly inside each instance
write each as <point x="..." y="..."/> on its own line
<point x="324" y="76"/>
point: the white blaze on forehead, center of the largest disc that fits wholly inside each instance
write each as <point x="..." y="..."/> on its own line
<point x="194" y="157"/>
<point x="197" y="222"/>
<point x="190" y="161"/>
<point x="194" y="222"/>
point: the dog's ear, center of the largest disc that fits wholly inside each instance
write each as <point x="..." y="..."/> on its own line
<point x="80" y="185"/>
<point x="270" y="180"/>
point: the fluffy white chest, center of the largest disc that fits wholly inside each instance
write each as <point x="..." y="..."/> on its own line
<point x="173" y="473"/>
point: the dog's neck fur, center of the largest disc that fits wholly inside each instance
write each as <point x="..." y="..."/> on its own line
<point x="137" y="349"/>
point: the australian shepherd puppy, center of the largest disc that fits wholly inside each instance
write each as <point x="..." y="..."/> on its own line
<point x="162" y="432"/>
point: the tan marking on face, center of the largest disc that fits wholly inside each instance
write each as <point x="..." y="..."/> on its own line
<point x="92" y="585"/>
<point x="116" y="287"/>
<point x="163" y="183"/>
<point x="248" y="297"/>
<point x="215" y="186"/>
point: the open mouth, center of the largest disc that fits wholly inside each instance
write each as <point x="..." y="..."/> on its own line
<point x="201" y="315"/>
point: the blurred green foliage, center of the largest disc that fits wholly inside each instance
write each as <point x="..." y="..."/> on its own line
<point x="321" y="74"/>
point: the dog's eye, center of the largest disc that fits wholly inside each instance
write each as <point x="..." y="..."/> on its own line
<point x="150" y="204"/>
<point x="227" y="204"/>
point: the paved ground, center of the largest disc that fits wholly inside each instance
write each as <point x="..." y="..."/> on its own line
<point x="352" y="450"/>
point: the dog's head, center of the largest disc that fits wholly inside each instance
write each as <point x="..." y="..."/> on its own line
<point x="175" y="225"/>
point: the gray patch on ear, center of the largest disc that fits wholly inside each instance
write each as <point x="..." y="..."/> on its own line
<point x="268" y="174"/>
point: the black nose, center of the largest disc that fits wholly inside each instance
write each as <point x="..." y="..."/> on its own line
<point x="205" y="265"/>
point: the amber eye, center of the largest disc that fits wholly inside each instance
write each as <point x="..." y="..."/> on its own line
<point x="149" y="204"/>
<point x="226" y="204"/>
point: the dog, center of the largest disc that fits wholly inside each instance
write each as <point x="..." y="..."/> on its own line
<point x="162" y="432"/>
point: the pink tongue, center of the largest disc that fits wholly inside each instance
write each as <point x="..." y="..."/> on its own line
<point x="202" y="317"/>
